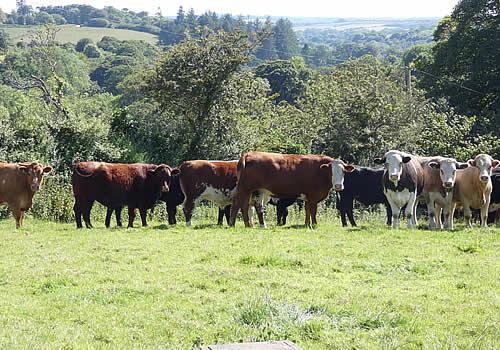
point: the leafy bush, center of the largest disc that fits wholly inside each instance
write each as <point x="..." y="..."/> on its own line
<point x="98" y="22"/>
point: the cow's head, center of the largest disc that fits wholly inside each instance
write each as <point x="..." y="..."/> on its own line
<point x="162" y="175"/>
<point x="393" y="162"/>
<point x="485" y="164"/>
<point x="338" y="169"/>
<point x="447" y="170"/>
<point x="34" y="174"/>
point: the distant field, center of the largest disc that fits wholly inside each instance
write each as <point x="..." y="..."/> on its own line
<point x="176" y="288"/>
<point x="300" y="24"/>
<point x="72" y="33"/>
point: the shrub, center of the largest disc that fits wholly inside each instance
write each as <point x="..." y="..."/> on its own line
<point x="82" y="43"/>
<point x="92" y="51"/>
<point x="98" y="22"/>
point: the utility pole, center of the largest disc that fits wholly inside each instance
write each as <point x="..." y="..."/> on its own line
<point x="408" y="79"/>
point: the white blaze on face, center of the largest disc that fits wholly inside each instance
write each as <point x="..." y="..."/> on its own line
<point x="339" y="168"/>
<point x="484" y="163"/>
<point x="448" y="172"/>
<point x="394" y="165"/>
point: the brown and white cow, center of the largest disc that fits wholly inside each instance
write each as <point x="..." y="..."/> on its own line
<point x="473" y="188"/>
<point x="439" y="180"/>
<point x="287" y="176"/>
<point x="18" y="184"/>
<point x="214" y="181"/>
<point x="115" y="185"/>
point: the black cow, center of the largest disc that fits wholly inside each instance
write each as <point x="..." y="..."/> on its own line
<point x="282" y="205"/>
<point x="493" y="211"/>
<point x="364" y="185"/>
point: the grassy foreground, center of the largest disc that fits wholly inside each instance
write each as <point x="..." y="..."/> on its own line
<point x="177" y="288"/>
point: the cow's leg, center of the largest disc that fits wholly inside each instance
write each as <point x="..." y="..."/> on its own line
<point x="284" y="215"/>
<point x="307" y="204"/>
<point x="17" y="215"/>
<point x="280" y="211"/>
<point x="144" y="216"/>
<point x="220" y="218"/>
<point x="260" y="206"/>
<point x="411" y="211"/>
<point x="439" y="211"/>
<point x="118" y="214"/>
<point x="227" y="213"/>
<point x="131" y="216"/>
<point x="395" y="209"/>
<point x="431" y="211"/>
<point x="188" y="208"/>
<point x="245" y="206"/>
<point x="449" y="216"/>
<point x="109" y="213"/>
<point x="484" y="213"/>
<point x="77" y="208"/>
<point x="172" y="212"/>
<point x="350" y="215"/>
<point x="467" y="215"/>
<point x="388" y="213"/>
<point x="86" y="213"/>
<point x="314" y="209"/>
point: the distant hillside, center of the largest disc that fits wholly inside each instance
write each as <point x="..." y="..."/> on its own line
<point x="72" y="33"/>
<point x="363" y="23"/>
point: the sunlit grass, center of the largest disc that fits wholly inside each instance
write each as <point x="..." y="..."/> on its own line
<point x="177" y="288"/>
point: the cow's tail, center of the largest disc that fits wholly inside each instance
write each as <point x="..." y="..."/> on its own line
<point x="241" y="165"/>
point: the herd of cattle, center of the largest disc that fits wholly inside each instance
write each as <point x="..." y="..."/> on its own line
<point x="260" y="178"/>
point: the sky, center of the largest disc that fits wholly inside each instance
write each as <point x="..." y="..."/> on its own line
<point x="288" y="8"/>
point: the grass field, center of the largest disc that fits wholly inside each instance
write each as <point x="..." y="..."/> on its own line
<point x="177" y="288"/>
<point x="72" y="33"/>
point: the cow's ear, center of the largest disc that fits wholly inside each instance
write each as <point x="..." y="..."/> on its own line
<point x="379" y="160"/>
<point x="47" y="169"/>
<point x="325" y="166"/>
<point x="471" y="162"/>
<point x="462" y="165"/>
<point x="175" y="171"/>
<point x="406" y="159"/>
<point x="24" y="169"/>
<point x="349" y="168"/>
<point x="495" y="163"/>
<point x="434" y="165"/>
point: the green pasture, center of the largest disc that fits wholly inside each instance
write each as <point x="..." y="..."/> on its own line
<point x="71" y="33"/>
<point x="167" y="287"/>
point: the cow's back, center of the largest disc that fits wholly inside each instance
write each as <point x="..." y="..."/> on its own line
<point x="365" y="184"/>
<point x="108" y="183"/>
<point x="218" y="174"/>
<point x="285" y="175"/>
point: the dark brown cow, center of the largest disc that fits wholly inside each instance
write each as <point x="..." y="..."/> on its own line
<point x="18" y="184"/>
<point x="287" y="176"/>
<point x="115" y="185"/>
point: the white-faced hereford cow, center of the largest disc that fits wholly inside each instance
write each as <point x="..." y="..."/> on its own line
<point x="439" y="180"/>
<point x="138" y="186"/>
<point x="18" y="184"/>
<point x="403" y="181"/>
<point x="287" y="176"/>
<point x="473" y="188"/>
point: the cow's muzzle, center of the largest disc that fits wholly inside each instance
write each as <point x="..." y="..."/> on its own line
<point x="394" y="177"/>
<point x="485" y="178"/>
<point x="339" y="188"/>
<point x="448" y="185"/>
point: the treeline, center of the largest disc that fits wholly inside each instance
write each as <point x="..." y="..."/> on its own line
<point x="202" y="98"/>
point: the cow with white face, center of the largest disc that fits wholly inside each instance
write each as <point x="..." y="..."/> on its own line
<point x="339" y="168"/>
<point x="439" y="179"/>
<point x="403" y="181"/>
<point x="473" y="188"/>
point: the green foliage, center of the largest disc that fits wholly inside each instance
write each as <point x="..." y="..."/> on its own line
<point x="92" y="51"/>
<point x="287" y="79"/>
<point x="82" y="43"/>
<point x="285" y="39"/>
<point x="465" y="54"/>
<point x="4" y="40"/>
<point x="98" y="22"/>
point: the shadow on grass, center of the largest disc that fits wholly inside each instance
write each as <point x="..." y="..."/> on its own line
<point x="163" y="227"/>
<point x="204" y="226"/>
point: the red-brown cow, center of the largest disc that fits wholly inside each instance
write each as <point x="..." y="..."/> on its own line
<point x="115" y="185"/>
<point x="18" y="184"/>
<point x="287" y="176"/>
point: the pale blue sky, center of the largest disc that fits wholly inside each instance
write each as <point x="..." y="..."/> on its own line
<point x="296" y="8"/>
